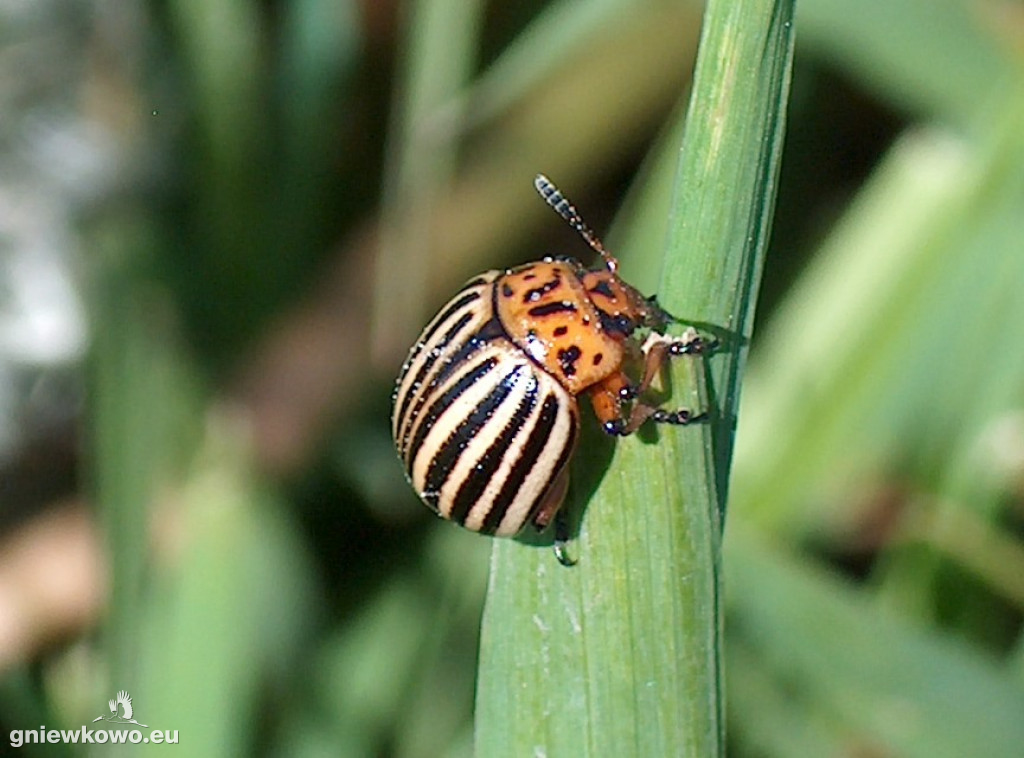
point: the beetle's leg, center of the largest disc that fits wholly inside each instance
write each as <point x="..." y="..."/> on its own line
<point x="658" y="348"/>
<point x="562" y="539"/>
<point x="608" y="395"/>
<point x="641" y="412"/>
<point x="551" y="507"/>
<point x="552" y="500"/>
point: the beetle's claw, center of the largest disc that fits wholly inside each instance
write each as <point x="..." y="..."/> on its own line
<point x="561" y="554"/>
<point x="680" y="417"/>
<point x="615" y="427"/>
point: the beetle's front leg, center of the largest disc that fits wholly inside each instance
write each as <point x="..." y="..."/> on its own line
<point x="608" y="396"/>
<point x="658" y="348"/>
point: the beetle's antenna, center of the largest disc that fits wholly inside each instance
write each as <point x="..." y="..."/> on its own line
<point x="568" y="211"/>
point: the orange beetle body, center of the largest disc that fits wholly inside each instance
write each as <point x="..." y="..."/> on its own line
<point x="571" y="321"/>
<point x="485" y="413"/>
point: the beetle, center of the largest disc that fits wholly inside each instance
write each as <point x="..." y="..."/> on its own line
<point x="485" y="414"/>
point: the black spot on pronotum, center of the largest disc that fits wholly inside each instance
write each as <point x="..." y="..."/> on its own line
<point x="561" y="331"/>
<point x="567" y="359"/>
<point x="548" y="309"/>
<point x="536" y="293"/>
<point x="598" y="357"/>
<point x="506" y="291"/>
<point x="602" y="288"/>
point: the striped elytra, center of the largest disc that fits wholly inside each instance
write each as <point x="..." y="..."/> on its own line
<point x="485" y="415"/>
<point x="481" y="428"/>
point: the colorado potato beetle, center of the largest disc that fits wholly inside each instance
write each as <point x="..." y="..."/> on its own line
<point x="485" y="415"/>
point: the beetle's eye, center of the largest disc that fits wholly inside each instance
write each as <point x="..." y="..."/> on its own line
<point x="617" y="324"/>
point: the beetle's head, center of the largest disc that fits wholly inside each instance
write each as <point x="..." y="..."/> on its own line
<point x="623" y="309"/>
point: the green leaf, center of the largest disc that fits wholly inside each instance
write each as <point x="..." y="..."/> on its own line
<point x="441" y="47"/>
<point x="885" y="684"/>
<point x="620" y="655"/>
<point x="941" y="58"/>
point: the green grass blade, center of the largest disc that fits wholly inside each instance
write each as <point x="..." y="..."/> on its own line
<point x="881" y="683"/>
<point x="547" y="44"/>
<point x="441" y="40"/>
<point x="141" y="400"/>
<point x="721" y="219"/>
<point x="225" y="617"/>
<point x="940" y="58"/>
<point x="907" y="267"/>
<point x="879" y="389"/>
<point x="619" y="656"/>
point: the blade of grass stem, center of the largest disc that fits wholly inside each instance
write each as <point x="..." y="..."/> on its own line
<point x="620" y="655"/>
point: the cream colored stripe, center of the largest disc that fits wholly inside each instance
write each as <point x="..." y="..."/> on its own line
<point x="422" y="350"/>
<point x="450" y="418"/>
<point x="541" y="476"/>
<point x="467" y="462"/>
<point x="476" y="516"/>
<point x="406" y="426"/>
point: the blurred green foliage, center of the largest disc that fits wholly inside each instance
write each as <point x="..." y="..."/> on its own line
<point x="299" y="184"/>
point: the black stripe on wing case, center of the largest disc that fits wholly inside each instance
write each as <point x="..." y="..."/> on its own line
<point x="448" y="452"/>
<point x="440" y="405"/>
<point x="473" y="486"/>
<point x="521" y="469"/>
<point x="424" y="370"/>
